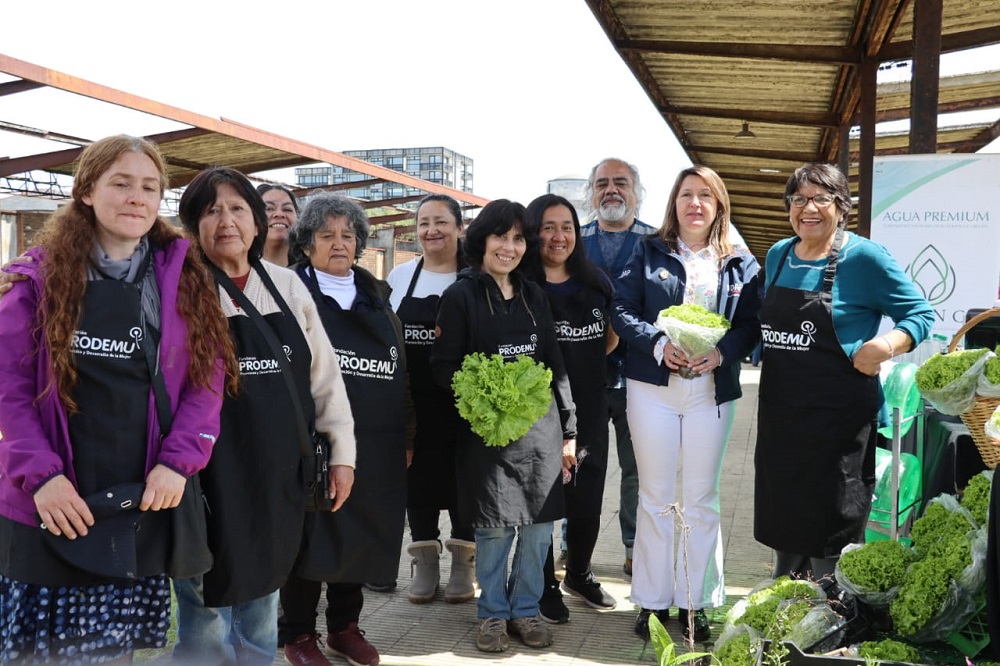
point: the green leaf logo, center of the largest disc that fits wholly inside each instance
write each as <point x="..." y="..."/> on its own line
<point x="933" y="274"/>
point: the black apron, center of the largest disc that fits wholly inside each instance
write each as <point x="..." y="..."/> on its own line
<point x="817" y="420"/>
<point x="362" y="541"/>
<point x="253" y="483"/>
<point x="431" y="477"/>
<point x="108" y="433"/>
<point x="521" y="483"/>
<point x="581" y="328"/>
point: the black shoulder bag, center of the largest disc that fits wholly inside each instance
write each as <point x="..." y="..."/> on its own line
<point x="314" y="446"/>
<point x="189" y="554"/>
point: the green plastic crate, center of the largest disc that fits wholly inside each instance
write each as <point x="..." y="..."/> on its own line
<point x="975" y="635"/>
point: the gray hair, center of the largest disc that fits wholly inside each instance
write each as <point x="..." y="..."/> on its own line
<point x="637" y="188"/>
<point x="313" y="218"/>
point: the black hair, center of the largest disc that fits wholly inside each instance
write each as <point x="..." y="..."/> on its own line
<point x="264" y="188"/>
<point x="497" y="218"/>
<point x="202" y="193"/>
<point x="826" y="176"/>
<point x="578" y="265"/>
<point x="456" y="211"/>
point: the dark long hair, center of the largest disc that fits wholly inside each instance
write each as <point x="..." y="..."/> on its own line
<point x="578" y="265"/>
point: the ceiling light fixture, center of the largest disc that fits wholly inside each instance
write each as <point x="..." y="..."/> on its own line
<point x="745" y="133"/>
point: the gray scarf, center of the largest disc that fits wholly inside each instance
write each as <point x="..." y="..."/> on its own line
<point x="102" y="267"/>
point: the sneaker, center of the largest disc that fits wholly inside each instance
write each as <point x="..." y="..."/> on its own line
<point x="702" y="632"/>
<point x="352" y="645"/>
<point x="642" y="621"/>
<point x="551" y="607"/>
<point x="589" y="590"/>
<point x="492" y="635"/>
<point x="532" y="631"/>
<point x="388" y="586"/>
<point x="304" y="651"/>
<point x="627" y="567"/>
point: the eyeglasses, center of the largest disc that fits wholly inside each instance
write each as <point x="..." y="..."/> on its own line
<point x="821" y="200"/>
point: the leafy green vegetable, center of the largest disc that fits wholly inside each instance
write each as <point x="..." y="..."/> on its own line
<point x="878" y="565"/>
<point x="933" y="531"/>
<point x="992" y="369"/>
<point x="690" y="313"/>
<point x="920" y="598"/>
<point x="889" y="650"/>
<point x="942" y="369"/>
<point x="786" y="588"/>
<point x="976" y="497"/>
<point x="500" y="400"/>
<point x="738" y="651"/>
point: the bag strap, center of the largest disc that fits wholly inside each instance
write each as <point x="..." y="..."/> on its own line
<point x="305" y="439"/>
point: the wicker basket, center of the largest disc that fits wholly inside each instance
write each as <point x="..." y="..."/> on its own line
<point x="975" y="419"/>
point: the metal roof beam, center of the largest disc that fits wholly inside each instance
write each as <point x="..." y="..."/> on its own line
<point x="810" y="119"/>
<point x="956" y="41"/>
<point x="14" y="87"/>
<point x="789" y="155"/>
<point x="831" y="55"/>
<point x="375" y="203"/>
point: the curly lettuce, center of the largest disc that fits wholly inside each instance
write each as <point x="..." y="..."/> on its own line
<point x="942" y="369"/>
<point x="500" y="400"/>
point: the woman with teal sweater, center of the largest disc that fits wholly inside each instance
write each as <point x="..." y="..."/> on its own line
<point x="826" y="291"/>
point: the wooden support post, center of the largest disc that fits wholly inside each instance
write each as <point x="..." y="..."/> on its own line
<point x="925" y="76"/>
<point x="869" y="81"/>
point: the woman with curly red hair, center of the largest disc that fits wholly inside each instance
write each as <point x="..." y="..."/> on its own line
<point x="117" y="313"/>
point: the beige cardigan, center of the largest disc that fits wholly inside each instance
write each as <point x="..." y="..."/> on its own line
<point x="333" y="412"/>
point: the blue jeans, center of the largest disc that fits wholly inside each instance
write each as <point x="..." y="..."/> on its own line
<point x="243" y="634"/>
<point x="516" y="596"/>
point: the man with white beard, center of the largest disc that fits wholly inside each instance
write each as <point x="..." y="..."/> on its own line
<point x="614" y="194"/>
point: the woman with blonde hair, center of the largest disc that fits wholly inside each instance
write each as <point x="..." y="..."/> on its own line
<point x="680" y="409"/>
<point x="115" y="324"/>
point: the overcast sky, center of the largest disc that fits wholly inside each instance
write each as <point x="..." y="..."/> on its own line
<point x="530" y="89"/>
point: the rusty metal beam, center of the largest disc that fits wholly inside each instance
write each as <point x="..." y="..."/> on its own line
<point x="787" y="155"/>
<point x="988" y="135"/>
<point x="833" y="55"/>
<point x="809" y="119"/>
<point x="956" y="41"/>
<point x="309" y="153"/>
<point x="14" y="87"/>
<point x="375" y="203"/>
<point x="902" y="113"/>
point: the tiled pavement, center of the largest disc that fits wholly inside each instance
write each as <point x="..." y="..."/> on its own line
<point x="441" y="633"/>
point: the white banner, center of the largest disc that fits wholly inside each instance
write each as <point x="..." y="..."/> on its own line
<point x="939" y="216"/>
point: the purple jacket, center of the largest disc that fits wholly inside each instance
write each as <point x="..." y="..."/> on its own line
<point x="35" y="442"/>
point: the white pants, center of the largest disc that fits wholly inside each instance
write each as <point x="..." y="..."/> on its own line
<point x="678" y="426"/>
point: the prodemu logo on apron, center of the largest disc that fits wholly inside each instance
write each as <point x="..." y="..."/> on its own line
<point x="415" y="334"/>
<point x="87" y="345"/>
<point x="800" y="341"/>
<point x="566" y="332"/>
<point x="372" y="368"/>
<point x="509" y="351"/>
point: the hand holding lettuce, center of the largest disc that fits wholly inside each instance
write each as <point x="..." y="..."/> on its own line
<point x="693" y="329"/>
<point x="500" y="400"/>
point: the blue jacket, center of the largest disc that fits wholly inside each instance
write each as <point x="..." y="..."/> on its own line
<point x="654" y="279"/>
<point x="615" y="361"/>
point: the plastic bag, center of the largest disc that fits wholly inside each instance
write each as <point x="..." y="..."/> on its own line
<point x="769" y="589"/>
<point x="973" y="577"/>
<point x="821" y="628"/>
<point x="695" y="341"/>
<point x="986" y="388"/>
<point x="955" y="612"/>
<point x="869" y="595"/>
<point x="992" y="426"/>
<point x="958" y="396"/>
<point x="740" y="633"/>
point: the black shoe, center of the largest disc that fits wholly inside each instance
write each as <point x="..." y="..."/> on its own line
<point x="702" y="632"/>
<point x="642" y="621"/>
<point x="388" y="586"/>
<point x="551" y="607"/>
<point x="588" y="590"/>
